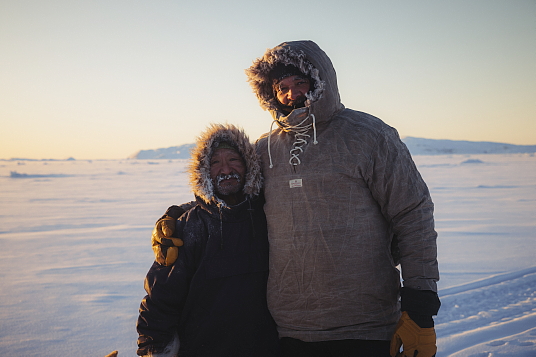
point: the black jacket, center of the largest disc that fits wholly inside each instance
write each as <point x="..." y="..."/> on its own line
<point x="214" y="295"/>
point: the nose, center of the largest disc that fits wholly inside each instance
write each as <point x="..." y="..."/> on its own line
<point x="225" y="168"/>
<point x="294" y="92"/>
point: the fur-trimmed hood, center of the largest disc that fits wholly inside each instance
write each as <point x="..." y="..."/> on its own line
<point x="322" y="101"/>
<point x="199" y="168"/>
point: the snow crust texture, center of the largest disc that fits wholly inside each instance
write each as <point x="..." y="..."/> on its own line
<point x="75" y="248"/>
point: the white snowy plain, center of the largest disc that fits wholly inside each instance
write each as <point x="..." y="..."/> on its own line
<point x="75" y="248"/>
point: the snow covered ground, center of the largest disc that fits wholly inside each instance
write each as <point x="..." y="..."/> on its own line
<point x="74" y="249"/>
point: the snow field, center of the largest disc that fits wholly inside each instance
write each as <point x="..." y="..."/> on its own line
<point x="75" y="247"/>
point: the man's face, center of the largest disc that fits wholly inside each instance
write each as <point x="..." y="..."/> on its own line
<point x="227" y="172"/>
<point x="290" y="91"/>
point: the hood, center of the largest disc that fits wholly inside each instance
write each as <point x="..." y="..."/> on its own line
<point x="199" y="168"/>
<point x="323" y="101"/>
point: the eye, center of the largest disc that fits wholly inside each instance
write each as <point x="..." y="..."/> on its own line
<point x="236" y="159"/>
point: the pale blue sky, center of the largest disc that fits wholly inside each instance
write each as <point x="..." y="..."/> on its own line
<point x="102" y="79"/>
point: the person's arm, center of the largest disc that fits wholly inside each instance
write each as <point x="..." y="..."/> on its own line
<point x="167" y="289"/>
<point x="165" y="245"/>
<point x="406" y="204"/>
<point x="159" y="312"/>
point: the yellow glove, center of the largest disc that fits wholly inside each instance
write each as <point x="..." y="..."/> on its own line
<point x="417" y="341"/>
<point x="165" y="247"/>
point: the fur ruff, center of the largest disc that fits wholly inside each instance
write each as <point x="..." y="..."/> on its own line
<point x="259" y="74"/>
<point x="199" y="168"/>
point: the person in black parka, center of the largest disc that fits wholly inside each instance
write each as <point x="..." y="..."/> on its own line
<point x="212" y="300"/>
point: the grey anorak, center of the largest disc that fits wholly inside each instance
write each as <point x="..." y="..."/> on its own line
<point x="340" y="186"/>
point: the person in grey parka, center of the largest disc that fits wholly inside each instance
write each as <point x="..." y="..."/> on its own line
<point x="345" y="206"/>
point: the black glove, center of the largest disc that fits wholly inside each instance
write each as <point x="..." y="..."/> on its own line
<point x="421" y="305"/>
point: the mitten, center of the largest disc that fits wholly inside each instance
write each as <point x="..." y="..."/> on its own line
<point x="165" y="246"/>
<point x="416" y="341"/>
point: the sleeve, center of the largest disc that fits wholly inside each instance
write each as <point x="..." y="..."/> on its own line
<point x="161" y="309"/>
<point x="405" y="201"/>
<point x="176" y="211"/>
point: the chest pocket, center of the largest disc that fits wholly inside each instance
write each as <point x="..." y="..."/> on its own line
<point x="225" y="264"/>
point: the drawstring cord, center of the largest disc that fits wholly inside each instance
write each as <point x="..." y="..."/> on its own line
<point x="300" y="134"/>
<point x="221" y="226"/>
<point x="250" y="210"/>
<point x="269" y="137"/>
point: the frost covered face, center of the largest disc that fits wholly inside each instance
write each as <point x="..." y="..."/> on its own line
<point x="227" y="172"/>
<point x="290" y="91"/>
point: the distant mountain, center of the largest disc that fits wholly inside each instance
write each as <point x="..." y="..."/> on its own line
<point x="23" y="159"/>
<point x="417" y="146"/>
<point x="420" y="146"/>
<point x="174" y="152"/>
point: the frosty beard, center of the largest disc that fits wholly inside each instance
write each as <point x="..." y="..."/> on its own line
<point x="228" y="188"/>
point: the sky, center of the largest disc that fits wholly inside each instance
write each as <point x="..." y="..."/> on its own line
<point x="104" y="79"/>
